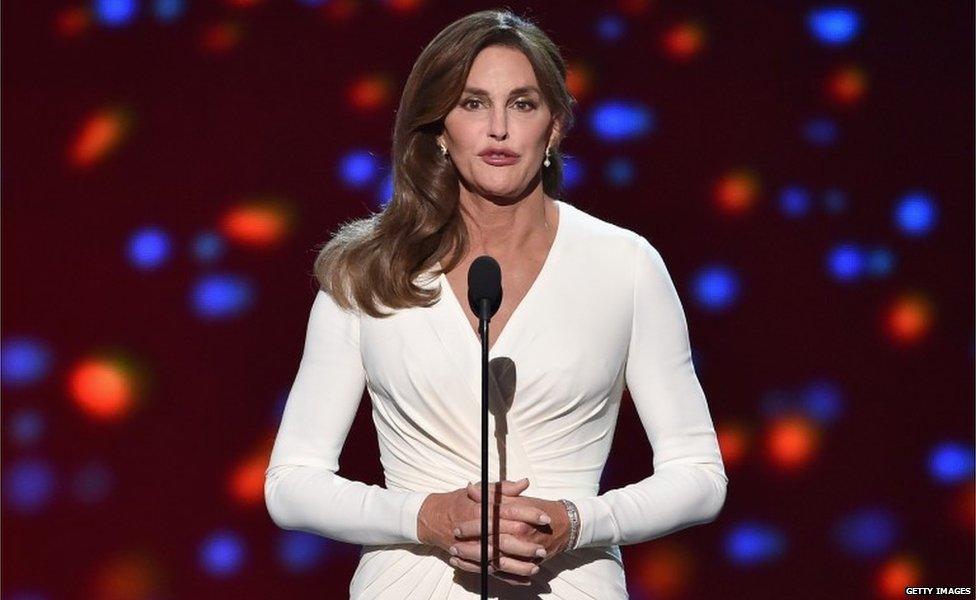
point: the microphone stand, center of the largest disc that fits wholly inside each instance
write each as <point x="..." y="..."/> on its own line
<point x="483" y="318"/>
<point x="484" y="298"/>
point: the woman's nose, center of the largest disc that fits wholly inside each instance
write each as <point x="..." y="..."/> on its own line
<point x="498" y="127"/>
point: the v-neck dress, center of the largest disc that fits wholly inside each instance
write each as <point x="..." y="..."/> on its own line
<point x="603" y="314"/>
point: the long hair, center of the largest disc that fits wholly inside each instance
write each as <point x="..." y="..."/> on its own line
<point x="375" y="260"/>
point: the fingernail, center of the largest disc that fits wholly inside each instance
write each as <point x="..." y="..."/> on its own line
<point x="453" y="551"/>
<point x="545" y="520"/>
<point x="540" y="552"/>
<point x="457" y="532"/>
<point x="523" y="480"/>
<point x="535" y="569"/>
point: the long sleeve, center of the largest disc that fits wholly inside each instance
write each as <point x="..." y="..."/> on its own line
<point x="688" y="486"/>
<point x="302" y="489"/>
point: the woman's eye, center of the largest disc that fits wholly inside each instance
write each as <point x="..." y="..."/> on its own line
<point x="523" y="104"/>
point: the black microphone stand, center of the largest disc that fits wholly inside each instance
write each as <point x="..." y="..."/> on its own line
<point x="484" y="298"/>
<point x="483" y="318"/>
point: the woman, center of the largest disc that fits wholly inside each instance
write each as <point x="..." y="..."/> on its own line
<point x="588" y="307"/>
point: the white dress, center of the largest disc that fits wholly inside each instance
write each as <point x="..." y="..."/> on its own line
<point x="602" y="313"/>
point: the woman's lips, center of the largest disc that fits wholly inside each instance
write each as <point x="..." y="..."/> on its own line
<point x="499" y="160"/>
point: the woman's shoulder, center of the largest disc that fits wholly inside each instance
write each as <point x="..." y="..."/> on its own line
<point x="595" y="233"/>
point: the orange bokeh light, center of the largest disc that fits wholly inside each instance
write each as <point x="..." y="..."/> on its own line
<point x="733" y="440"/>
<point x="663" y="570"/>
<point x="71" y="22"/>
<point x="895" y="575"/>
<point x="102" y="389"/>
<point x="260" y="223"/>
<point x="792" y="442"/>
<point x="246" y="482"/>
<point x="99" y="134"/>
<point x="846" y="85"/>
<point x="579" y="80"/>
<point x="736" y="192"/>
<point x="405" y="6"/>
<point x="129" y="576"/>
<point x="908" y="319"/>
<point x="683" y="41"/>
<point x="369" y="92"/>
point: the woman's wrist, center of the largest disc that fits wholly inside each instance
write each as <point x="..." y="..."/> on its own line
<point x="574" y="523"/>
<point x="424" y="527"/>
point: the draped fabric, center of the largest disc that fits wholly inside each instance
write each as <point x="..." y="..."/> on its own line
<point x="603" y="314"/>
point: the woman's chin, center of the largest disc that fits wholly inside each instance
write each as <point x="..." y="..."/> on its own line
<point x="506" y="189"/>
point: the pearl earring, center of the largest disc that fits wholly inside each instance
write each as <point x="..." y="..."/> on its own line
<point x="443" y="148"/>
<point x="546" y="162"/>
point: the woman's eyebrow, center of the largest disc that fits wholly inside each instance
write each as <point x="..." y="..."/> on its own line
<point x="515" y="92"/>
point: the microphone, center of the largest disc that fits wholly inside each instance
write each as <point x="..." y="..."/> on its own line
<point x="484" y="296"/>
<point x="484" y="287"/>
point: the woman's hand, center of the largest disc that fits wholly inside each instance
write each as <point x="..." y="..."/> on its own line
<point x="519" y="539"/>
<point x="442" y="513"/>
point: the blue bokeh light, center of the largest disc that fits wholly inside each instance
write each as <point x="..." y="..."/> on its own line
<point x="867" y="532"/>
<point x="209" y="247"/>
<point x="114" y="13"/>
<point x="168" y="11"/>
<point x="149" y="248"/>
<point x="846" y="262"/>
<point x="358" y="169"/>
<point x="951" y="462"/>
<point x="574" y="172"/>
<point x="610" y="28"/>
<point x="794" y="201"/>
<point x="881" y="262"/>
<point x="23" y="361"/>
<point x="299" y="551"/>
<point x="915" y="214"/>
<point x="221" y="295"/>
<point x="222" y="553"/>
<point x="619" y="172"/>
<point x="28" y="485"/>
<point x="820" y="131"/>
<point x="619" y="120"/>
<point x="715" y="287"/>
<point x="822" y="400"/>
<point x="751" y="543"/>
<point x="834" y="25"/>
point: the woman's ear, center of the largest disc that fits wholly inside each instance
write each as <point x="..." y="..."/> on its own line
<point x="555" y="136"/>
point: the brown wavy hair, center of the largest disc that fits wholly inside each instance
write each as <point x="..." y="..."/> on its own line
<point x="375" y="260"/>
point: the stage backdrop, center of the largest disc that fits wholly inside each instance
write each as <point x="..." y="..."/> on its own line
<point x="169" y="167"/>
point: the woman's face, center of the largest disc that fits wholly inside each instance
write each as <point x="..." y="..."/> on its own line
<point x="500" y="107"/>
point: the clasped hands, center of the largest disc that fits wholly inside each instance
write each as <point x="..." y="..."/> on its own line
<point x="530" y="530"/>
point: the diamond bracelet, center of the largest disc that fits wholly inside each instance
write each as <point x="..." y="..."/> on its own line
<point x="574" y="523"/>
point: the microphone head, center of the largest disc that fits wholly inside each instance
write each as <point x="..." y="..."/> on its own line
<point x="485" y="283"/>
